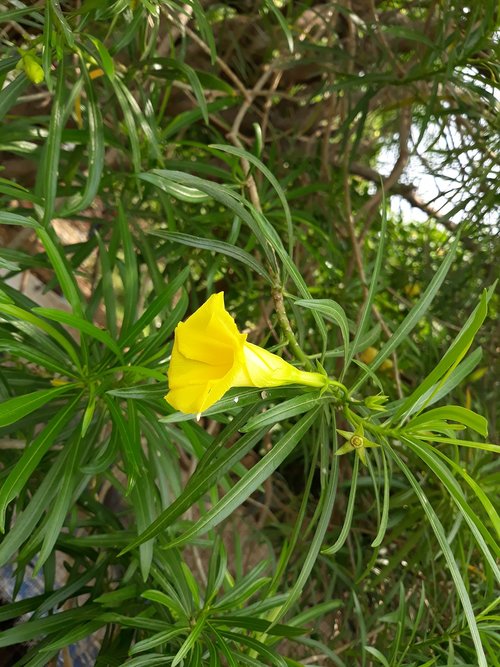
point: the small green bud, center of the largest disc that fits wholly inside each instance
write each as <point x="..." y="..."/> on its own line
<point x="32" y="68"/>
<point x="376" y="403"/>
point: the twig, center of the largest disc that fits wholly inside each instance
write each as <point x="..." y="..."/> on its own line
<point x="367" y="211"/>
<point x="360" y="267"/>
<point x="222" y="64"/>
<point x="409" y="193"/>
<point x="277" y="292"/>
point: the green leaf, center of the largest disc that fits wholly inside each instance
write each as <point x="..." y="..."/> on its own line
<point x="414" y="316"/>
<point x="84" y="326"/>
<point x="223" y="195"/>
<point x="335" y="313"/>
<point x="9" y="94"/>
<point x="27" y="351"/>
<point x="14" y="409"/>
<point x="451" y="359"/>
<point x="130" y="276"/>
<point x="477" y="527"/>
<point x="483" y="498"/>
<point x="35" y="451"/>
<point x="49" y="171"/>
<point x="205" y="28"/>
<point x="42" y="626"/>
<point x="191" y="640"/>
<point x="250" y="157"/>
<point x="160" y="303"/>
<point x="130" y="444"/>
<point x="155" y="640"/>
<point x="235" y="399"/>
<point x="260" y="625"/>
<point x="27" y="520"/>
<point x="438" y="530"/>
<point x="435" y="393"/>
<point x="192" y="77"/>
<point x="207" y="474"/>
<point x="106" y="59"/>
<point x="346" y="527"/>
<point x="378" y="655"/>
<point x="385" y="507"/>
<point x="250" y="481"/>
<point x="329" y="481"/>
<point x="148" y="660"/>
<point x="18" y="313"/>
<point x="295" y="406"/>
<point x="283" y="24"/>
<point x="95" y="152"/>
<point x="69" y="481"/>
<point x="215" y="246"/>
<point x="64" y="274"/>
<point x="16" y="219"/>
<point x="486" y="446"/>
<point x="365" y="314"/>
<point x="60" y="20"/>
<point x="129" y="120"/>
<point x="143" y="501"/>
<point x="166" y="601"/>
<point x="180" y="192"/>
<point x="452" y="413"/>
<point x="73" y="636"/>
<point x="107" y="287"/>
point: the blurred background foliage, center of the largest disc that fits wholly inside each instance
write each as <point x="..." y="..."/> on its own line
<point x="153" y="152"/>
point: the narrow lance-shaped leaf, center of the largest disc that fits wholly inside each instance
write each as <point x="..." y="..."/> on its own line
<point x="414" y="316"/>
<point x="210" y="470"/>
<point x="452" y="357"/>
<point x="438" y="529"/>
<point x="55" y="518"/>
<point x="454" y="413"/>
<point x="328" y="494"/>
<point x="95" y="151"/>
<point x="9" y="94"/>
<point x="215" y="246"/>
<point x="251" y="481"/>
<point x="14" y="409"/>
<point x="36" y="450"/>
<point x="49" y="173"/>
<point x="335" y="313"/>
<point x="84" y="326"/>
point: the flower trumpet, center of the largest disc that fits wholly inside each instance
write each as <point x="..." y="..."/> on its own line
<point x="210" y="356"/>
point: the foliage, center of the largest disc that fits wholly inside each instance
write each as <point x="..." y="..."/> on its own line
<point x="156" y="152"/>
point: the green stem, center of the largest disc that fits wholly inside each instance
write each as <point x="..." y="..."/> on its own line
<point x="285" y="326"/>
<point x="342" y="387"/>
<point x="370" y="426"/>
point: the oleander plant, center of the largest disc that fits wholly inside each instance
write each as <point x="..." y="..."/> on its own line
<point x="248" y="334"/>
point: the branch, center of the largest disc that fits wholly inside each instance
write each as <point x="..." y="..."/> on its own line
<point x="409" y="193"/>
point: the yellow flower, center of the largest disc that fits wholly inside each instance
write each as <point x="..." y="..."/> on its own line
<point x="412" y="290"/>
<point x="368" y="355"/>
<point x="210" y="356"/>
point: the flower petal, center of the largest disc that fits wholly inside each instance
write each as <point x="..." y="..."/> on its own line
<point x="196" y="398"/>
<point x="210" y="335"/>
<point x="184" y="371"/>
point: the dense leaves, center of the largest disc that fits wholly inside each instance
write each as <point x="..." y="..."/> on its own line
<point x="332" y="168"/>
